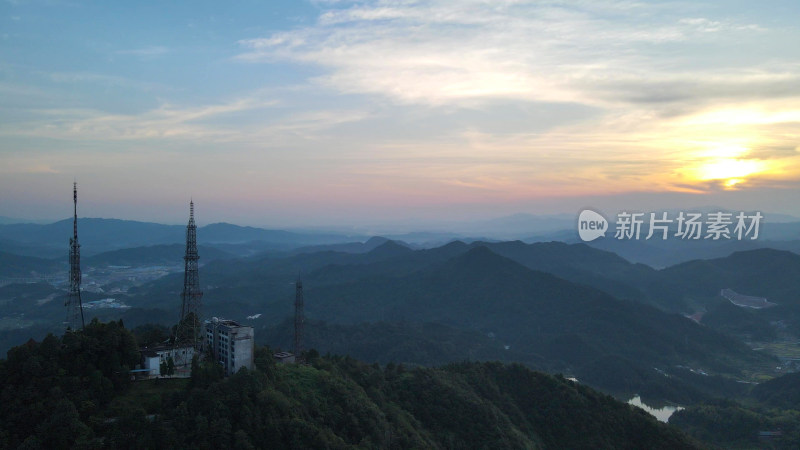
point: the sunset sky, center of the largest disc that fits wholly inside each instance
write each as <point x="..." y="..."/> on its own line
<point x="309" y="113"/>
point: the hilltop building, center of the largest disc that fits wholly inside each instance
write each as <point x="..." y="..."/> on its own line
<point x="153" y="358"/>
<point x="284" y="358"/>
<point x="229" y="343"/>
<point x="225" y="341"/>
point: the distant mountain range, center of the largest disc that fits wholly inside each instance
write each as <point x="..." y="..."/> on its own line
<point x="18" y="266"/>
<point x="481" y="304"/>
<point x="100" y="235"/>
<point x="6" y="220"/>
<point x="664" y="253"/>
<point x="165" y="254"/>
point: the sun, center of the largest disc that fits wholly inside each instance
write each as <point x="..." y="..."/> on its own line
<point x="728" y="165"/>
<point x="730" y="169"/>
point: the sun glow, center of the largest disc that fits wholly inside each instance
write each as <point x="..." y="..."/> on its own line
<point x="727" y="164"/>
<point x="726" y="169"/>
<point x="731" y="172"/>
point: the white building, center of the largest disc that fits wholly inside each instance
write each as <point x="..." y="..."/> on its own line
<point x="230" y="344"/>
<point x="284" y="357"/>
<point x="181" y="360"/>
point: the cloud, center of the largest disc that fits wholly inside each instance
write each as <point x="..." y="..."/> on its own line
<point x="704" y="25"/>
<point x="202" y="124"/>
<point x="107" y="80"/>
<point x="16" y="89"/>
<point x="774" y="151"/>
<point x="21" y="165"/>
<point x="166" y="121"/>
<point x="458" y="53"/>
<point x="151" y="51"/>
<point x="698" y="88"/>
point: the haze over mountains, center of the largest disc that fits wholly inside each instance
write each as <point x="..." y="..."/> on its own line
<point x="561" y="307"/>
<point x="575" y="308"/>
<point x="100" y="235"/>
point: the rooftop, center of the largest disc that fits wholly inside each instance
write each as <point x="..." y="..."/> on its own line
<point x="155" y="351"/>
<point x="226" y="322"/>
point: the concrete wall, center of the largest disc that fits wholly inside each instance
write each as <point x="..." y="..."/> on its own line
<point x="153" y="364"/>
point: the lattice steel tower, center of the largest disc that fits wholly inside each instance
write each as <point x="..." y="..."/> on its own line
<point x="299" y="320"/>
<point x="74" y="305"/>
<point x="189" y="330"/>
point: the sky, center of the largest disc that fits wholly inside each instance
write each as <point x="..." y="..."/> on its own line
<point x="314" y="113"/>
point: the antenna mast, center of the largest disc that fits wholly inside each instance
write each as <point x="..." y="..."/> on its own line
<point x="299" y="320"/>
<point x="189" y="328"/>
<point x="74" y="305"/>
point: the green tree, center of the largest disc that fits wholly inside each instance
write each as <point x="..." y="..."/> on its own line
<point x="170" y="366"/>
<point x="63" y="428"/>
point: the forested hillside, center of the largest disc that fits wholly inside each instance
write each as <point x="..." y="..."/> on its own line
<point x="75" y="392"/>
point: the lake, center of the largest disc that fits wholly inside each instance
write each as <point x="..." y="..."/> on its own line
<point x="662" y="414"/>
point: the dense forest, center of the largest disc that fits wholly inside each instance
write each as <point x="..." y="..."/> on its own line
<point x="75" y="392"/>
<point x="768" y="416"/>
<point x="735" y="425"/>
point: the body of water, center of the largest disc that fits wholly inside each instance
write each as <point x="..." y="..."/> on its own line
<point x="661" y="414"/>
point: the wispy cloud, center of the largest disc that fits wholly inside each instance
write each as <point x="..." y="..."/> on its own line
<point x="438" y="52"/>
<point x="151" y="51"/>
<point x="106" y="80"/>
<point x="202" y="124"/>
<point x="26" y="167"/>
<point x="166" y="121"/>
<point x="712" y="26"/>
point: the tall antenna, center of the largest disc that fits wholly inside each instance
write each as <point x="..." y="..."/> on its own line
<point x="299" y="319"/>
<point x="188" y="331"/>
<point x="74" y="305"/>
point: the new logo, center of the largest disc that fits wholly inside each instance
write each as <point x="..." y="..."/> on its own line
<point x="591" y="225"/>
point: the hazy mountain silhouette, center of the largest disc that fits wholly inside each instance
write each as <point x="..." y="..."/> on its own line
<point x="99" y="235"/>
<point x="165" y="254"/>
<point x="17" y="266"/>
